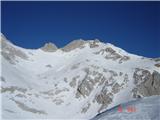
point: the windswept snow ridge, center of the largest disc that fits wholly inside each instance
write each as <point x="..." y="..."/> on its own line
<point x="144" y="109"/>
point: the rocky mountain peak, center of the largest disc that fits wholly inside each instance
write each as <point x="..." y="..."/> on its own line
<point x="73" y="45"/>
<point x="49" y="47"/>
<point x="80" y="44"/>
<point x="94" y="43"/>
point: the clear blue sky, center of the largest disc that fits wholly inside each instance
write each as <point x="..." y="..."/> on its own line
<point x="133" y="26"/>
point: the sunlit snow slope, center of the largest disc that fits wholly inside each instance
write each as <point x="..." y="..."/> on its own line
<point x="78" y="81"/>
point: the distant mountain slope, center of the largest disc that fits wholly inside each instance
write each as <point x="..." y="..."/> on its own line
<point x="78" y="81"/>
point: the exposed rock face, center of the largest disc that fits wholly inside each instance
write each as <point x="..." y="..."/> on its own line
<point x="94" y="43"/>
<point x="104" y="99"/>
<point x="84" y="109"/>
<point x="105" y="96"/>
<point x="74" y="81"/>
<point x="49" y="47"/>
<point x="73" y="45"/>
<point x="110" y="53"/>
<point x="116" y="88"/>
<point x="95" y="80"/>
<point x="157" y="65"/>
<point x="156" y="59"/>
<point x="147" y="84"/>
<point x="88" y="83"/>
<point x="12" y="89"/>
<point x="141" y="75"/>
<point x="10" y="53"/>
<point x="80" y="44"/>
<point x="124" y="58"/>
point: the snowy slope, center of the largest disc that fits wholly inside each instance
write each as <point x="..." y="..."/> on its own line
<point x="76" y="82"/>
<point x="144" y="109"/>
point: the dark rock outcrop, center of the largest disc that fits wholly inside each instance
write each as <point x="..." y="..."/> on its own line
<point x="110" y="53"/>
<point x="147" y="84"/>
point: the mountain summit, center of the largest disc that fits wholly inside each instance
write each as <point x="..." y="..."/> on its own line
<point x="78" y="81"/>
<point x="49" y="47"/>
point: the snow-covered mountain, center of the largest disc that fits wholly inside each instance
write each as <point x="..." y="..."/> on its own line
<point x="78" y="81"/>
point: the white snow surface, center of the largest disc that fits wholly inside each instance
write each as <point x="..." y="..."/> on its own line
<point x="41" y="92"/>
<point x="145" y="109"/>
